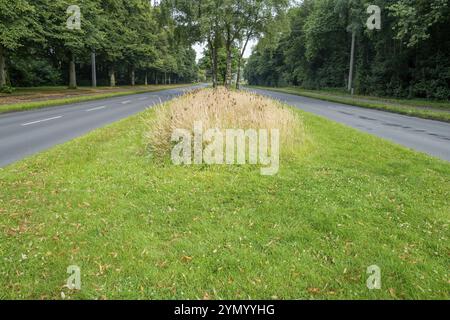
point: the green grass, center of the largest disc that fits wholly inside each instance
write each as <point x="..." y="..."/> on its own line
<point x="434" y="110"/>
<point x="81" y="98"/>
<point x="148" y="230"/>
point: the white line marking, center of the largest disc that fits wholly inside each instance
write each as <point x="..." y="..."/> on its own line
<point x="43" y="120"/>
<point x="126" y="102"/>
<point x="98" y="108"/>
<point x="144" y="98"/>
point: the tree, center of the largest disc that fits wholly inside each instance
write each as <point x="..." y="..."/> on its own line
<point x="18" y="23"/>
<point x="258" y="17"/>
<point x="408" y="58"/>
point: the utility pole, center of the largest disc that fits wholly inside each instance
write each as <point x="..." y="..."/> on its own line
<point x="352" y="63"/>
<point x="94" y="70"/>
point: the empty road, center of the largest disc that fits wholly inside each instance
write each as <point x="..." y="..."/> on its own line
<point x="428" y="136"/>
<point x="26" y="133"/>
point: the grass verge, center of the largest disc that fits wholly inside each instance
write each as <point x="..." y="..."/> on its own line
<point x="432" y="110"/>
<point x="142" y="229"/>
<point x="80" y="98"/>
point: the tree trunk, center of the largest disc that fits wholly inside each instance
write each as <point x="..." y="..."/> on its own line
<point x="213" y="59"/>
<point x="165" y="78"/>
<point x="170" y="79"/>
<point x="94" y="70"/>
<point x="216" y="66"/>
<point x="72" y="73"/>
<point x="146" y="79"/>
<point x="229" y="75"/>
<point x="112" y="76"/>
<point x="228" y="45"/>
<point x="133" y="76"/>
<point x="229" y="61"/>
<point x="238" y="80"/>
<point x="156" y="78"/>
<point x="2" y="67"/>
<point x="352" y="63"/>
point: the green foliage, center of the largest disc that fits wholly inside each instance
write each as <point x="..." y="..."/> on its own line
<point x="125" y="35"/>
<point x="407" y="58"/>
<point x="6" y="89"/>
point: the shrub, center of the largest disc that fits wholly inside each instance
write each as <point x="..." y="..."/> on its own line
<point x="223" y="109"/>
<point x="6" y="89"/>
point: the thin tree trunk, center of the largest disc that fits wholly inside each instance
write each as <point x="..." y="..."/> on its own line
<point x="133" y="76"/>
<point x="228" y="77"/>
<point x="213" y="58"/>
<point x="146" y="79"/>
<point x="352" y="63"/>
<point x="238" y="80"/>
<point x="165" y="77"/>
<point x="112" y="76"/>
<point x="229" y="61"/>
<point x="72" y="73"/>
<point x="156" y="78"/>
<point x="170" y="79"/>
<point x="94" y="70"/>
<point x="2" y="67"/>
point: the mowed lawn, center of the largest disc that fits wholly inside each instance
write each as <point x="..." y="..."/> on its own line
<point x="142" y="229"/>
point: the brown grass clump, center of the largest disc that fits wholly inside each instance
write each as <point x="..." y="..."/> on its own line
<point x="223" y="109"/>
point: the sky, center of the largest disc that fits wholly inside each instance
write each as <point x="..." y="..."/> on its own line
<point x="200" y="47"/>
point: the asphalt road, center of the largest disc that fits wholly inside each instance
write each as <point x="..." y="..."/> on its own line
<point x="26" y="133"/>
<point x="428" y="136"/>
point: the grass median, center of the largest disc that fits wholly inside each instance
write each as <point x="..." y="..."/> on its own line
<point x="433" y="110"/>
<point x="42" y="100"/>
<point x="146" y="229"/>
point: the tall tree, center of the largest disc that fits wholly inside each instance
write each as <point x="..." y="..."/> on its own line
<point x="18" y="23"/>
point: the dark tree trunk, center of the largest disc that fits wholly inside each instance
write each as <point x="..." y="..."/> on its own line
<point x="352" y="63"/>
<point x="72" y="73"/>
<point x="112" y="76"/>
<point x="213" y="59"/>
<point x="229" y="61"/>
<point x="94" y="70"/>
<point x="2" y="67"/>
<point x="238" y="80"/>
<point x="133" y="76"/>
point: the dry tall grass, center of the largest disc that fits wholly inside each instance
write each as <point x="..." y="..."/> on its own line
<point x="223" y="109"/>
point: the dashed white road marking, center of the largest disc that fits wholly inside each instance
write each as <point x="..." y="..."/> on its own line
<point x="43" y="120"/>
<point x="126" y="102"/>
<point x="98" y="108"/>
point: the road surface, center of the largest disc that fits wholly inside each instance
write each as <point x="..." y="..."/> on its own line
<point x="29" y="132"/>
<point x="26" y="133"/>
<point x="428" y="136"/>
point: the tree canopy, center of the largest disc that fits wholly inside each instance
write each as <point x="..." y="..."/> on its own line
<point x="408" y="57"/>
<point x="129" y="40"/>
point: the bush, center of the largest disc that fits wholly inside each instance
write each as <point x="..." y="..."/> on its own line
<point x="6" y="89"/>
<point x="222" y="109"/>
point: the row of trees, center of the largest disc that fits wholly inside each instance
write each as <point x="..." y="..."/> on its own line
<point x="133" y="37"/>
<point x="408" y="57"/>
<point x="226" y="26"/>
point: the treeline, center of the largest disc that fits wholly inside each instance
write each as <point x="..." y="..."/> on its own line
<point x="408" y="57"/>
<point x="90" y="42"/>
<point x="226" y="26"/>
